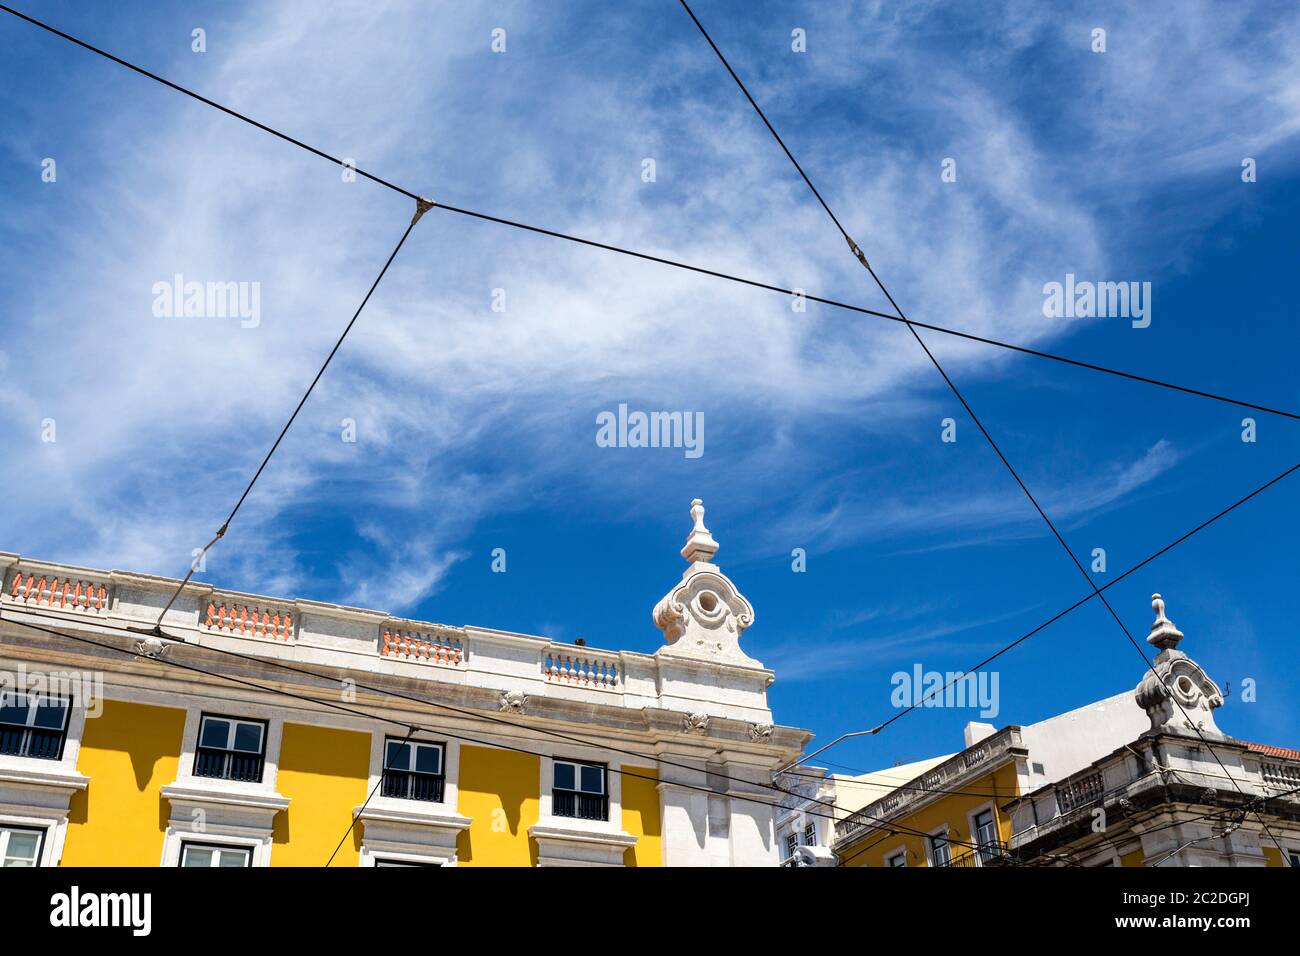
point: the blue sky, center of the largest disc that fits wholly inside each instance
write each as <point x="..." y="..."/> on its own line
<point x="476" y="429"/>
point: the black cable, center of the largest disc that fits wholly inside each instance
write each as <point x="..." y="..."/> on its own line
<point x="202" y="99"/>
<point x="435" y="732"/>
<point x="966" y="405"/>
<point x="285" y="430"/>
<point x="352" y="825"/>
<point x="554" y="234"/>
<point x="474" y="714"/>
<point x="587" y="742"/>
<point x="1082" y="601"/>
<point x="853" y="246"/>
<point x="1261" y="799"/>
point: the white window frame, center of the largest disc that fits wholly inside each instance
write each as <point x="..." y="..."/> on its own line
<point x="235" y="724"/>
<point x="42" y="838"/>
<point x="791" y="844"/>
<point x="809" y="840"/>
<point x="411" y="831"/>
<point x="939" y="834"/>
<point x="613" y="789"/>
<point x="578" y="764"/>
<point x="240" y="812"/>
<point x="415" y="745"/>
<point x="971" y="819"/>
<point x="34" y="701"/>
<point x="186" y="845"/>
<point x="230" y="710"/>
<point x="263" y="728"/>
<point x="39" y="794"/>
<point x="450" y="774"/>
<point x="900" y="853"/>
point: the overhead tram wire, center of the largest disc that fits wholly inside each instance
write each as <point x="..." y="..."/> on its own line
<point x="648" y="257"/>
<point x="1209" y="814"/>
<point x="423" y="702"/>
<point x="352" y="824"/>
<point x="1084" y="600"/>
<point x="422" y="205"/>
<point x="911" y="325"/>
<point x="652" y="759"/>
<point x="586" y="741"/>
<point x="438" y="732"/>
<point x="861" y="257"/>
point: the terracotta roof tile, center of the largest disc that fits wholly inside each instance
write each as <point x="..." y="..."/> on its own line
<point x="1272" y="751"/>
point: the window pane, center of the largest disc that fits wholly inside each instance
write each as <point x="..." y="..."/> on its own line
<point x="22" y="848"/>
<point x="233" y="858"/>
<point x="50" y="714"/>
<point x="564" y="776"/>
<point x="399" y="756"/>
<point x="593" y="780"/>
<point x="13" y="709"/>
<point x="197" y="856"/>
<point x="428" y="759"/>
<point x="248" y="737"/>
<point x="215" y="733"/>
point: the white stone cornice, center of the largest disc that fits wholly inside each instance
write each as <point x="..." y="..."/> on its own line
<point x="256" y="801"/>
<point x="579" y="846"/>
<point x="435" y="816"/>
<point x="54" y="782"/>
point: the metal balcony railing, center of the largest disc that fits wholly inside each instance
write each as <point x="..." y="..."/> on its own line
<point x="583" y="806"/>
<point x="228" y="765"/>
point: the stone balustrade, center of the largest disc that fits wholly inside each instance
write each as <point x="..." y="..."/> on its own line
<point x="366" y="640"/>
<point x="581" y="668"/>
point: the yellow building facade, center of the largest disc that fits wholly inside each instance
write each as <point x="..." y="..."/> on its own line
<point x="266" y="732"/>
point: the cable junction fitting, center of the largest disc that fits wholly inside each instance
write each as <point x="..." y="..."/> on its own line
<point x="853" y="247"/>
<point x="422" y="206"/>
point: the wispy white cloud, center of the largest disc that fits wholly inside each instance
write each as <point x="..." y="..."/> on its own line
<point x="838" y="512"/>
<point x="812" y="659"/>
<point x="464" y="413"/>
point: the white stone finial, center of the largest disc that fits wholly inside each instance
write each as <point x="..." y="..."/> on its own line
<point x="1163" y="633"/>
<point x="704" y="616"/>
<point x="1177" y="694"/>
<point x="700" y="545"/>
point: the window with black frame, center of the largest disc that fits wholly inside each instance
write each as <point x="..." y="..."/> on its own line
<point x="580" y="791"/>
<point x="413" y="770"/>
<point x="230" y="748"/>
<point x="33" y="725"/>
